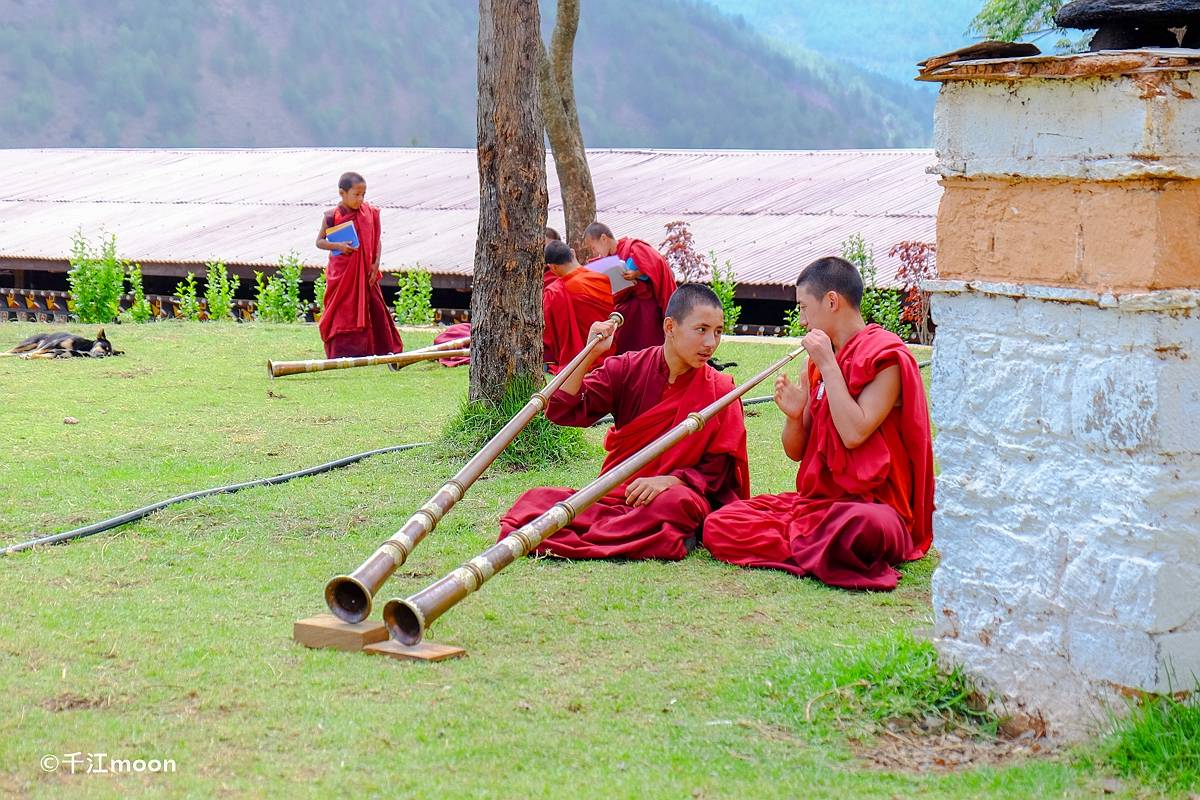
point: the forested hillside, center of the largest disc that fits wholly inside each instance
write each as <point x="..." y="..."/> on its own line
<point x="230" y="73"/>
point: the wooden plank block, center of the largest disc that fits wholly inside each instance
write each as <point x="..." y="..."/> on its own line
<point x="326" y="630"/>
<point x="425" y="651"/>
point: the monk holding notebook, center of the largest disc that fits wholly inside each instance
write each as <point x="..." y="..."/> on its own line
<point x="658" y="513"/>
<point x="354" y="321"/>
<point x="647" y="285"/>
<point x="575" y="299"/>
<point x="858" y="423"/>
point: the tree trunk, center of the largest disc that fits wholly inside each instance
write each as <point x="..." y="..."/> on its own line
<point x="506" y="297"/>
<point x="562" y="124"/>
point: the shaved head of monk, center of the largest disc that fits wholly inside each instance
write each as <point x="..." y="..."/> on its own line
<point x="598" y="240"/>
<point x="828" y="294"/>
<point x="692" y="325"/>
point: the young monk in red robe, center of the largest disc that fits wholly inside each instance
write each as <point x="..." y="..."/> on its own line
<point x="858" y="423"/>
<point x="658" y="513"/>
<point x="355" y="321"/>
<point x="572" y="302"/>
<point x="644" y="304"/>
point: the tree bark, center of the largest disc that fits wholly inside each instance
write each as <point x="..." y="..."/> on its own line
<point x="557" y="91"/>
<point x="506" y="296"/>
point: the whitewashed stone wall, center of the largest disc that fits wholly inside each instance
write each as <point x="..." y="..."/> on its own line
<point x="1100" y="128"/>
<point x="1068" y="515"/>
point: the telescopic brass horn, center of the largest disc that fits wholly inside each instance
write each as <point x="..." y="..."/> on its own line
<point x="349" y="597"/>
<point x="451" y="349"/>
<point x="408" y="619"/>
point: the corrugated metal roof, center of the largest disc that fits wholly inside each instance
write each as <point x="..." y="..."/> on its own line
<point x="769" y="212"/>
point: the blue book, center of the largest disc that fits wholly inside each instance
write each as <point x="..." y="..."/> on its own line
<point x="342" y="233"/>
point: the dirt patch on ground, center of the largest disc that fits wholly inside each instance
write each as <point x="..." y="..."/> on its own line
<point x="903" y="746"/>
<point x="68" y="701"/>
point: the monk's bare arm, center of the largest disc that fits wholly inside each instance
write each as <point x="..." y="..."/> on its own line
<point x="575" y="382"/>
<point x="793" y="401"/>
<point x="856" y="420"/>
<point x="325" y="244"/>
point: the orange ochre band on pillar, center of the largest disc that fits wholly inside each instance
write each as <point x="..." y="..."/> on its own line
<point x="1120" y="236"/>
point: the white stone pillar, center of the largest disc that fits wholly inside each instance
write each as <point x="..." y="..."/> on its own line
<point x="1066" y="380"/>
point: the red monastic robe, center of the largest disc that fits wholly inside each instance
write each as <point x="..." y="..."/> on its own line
<point x="643" y="305"/>
<point x="711" y="463"/>
<point x="355" y="321"/>
<point x="571" y="304"/>
<point x="855" y="513"/>
<point x="456" y="331"/>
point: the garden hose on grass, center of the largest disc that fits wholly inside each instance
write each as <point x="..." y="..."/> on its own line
<point x="132" y="516"/>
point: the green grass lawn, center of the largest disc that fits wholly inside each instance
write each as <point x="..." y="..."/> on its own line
<point x="171" y="638"/>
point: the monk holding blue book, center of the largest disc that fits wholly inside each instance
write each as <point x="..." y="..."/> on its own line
<point x="355" y="320"/>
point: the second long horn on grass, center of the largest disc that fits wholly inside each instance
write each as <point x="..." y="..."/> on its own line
<point x="350" y="597"/>
<point x="408" y="619"/>
<point x="451" y="349"/>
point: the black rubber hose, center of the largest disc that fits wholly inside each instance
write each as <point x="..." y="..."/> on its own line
<point x="132" y="516"/>
<point x="145" y="511"/>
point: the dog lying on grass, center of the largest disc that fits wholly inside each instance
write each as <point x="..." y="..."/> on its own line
<point x="64" y="345"/>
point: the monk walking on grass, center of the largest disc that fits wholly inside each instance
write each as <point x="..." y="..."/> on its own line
<point x="355" y="321"/>
<point x="858" y="423"/>
<point x="658" y="513"/>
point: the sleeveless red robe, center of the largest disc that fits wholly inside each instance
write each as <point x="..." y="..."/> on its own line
<point x="666" y="526"/>
<point x="355" y="321"/>
<point x="855" y="513"/>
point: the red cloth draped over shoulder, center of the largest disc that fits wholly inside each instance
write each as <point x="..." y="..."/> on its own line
<point x="643" y="304"/>
<point x="895" y="464"/>
<point x="610" y="528"/>
<point x="571" y="304"/>
<point x="456" y="331"/>
<point x="355" y="321"/>
<point x="856" y="512"/>
<point x="726" y="433"/>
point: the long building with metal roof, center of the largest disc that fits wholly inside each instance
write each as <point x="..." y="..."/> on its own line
<point x="172" y="210"/>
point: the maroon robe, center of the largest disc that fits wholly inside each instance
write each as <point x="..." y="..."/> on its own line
<point x="711" y="463"/>
<point x="643" y="304"/>
<point x="856" y="513"/>
<point x="355" y="321"/>
<point x="456" y="331"/>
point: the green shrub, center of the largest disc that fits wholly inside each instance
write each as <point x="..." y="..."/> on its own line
<point x="414" y="297"/>
<point x="96" y="279"/>
<point x="319" y="291"/>
<point x="139" y="309"/>
<point x="724" y="286"/>
<point x="189" y="304"/>
<point x="278" y="297"/>
<point x="882" y="306"/>
<point x="792" y="325"/>
<point x="541" y="443"/>
<point x="219" y="290"/>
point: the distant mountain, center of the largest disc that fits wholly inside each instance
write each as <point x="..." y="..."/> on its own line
<point x="266" y="73"/>
<point x="887" y="37"/>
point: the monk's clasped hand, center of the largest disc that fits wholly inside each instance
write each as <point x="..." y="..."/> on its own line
<point x="604" y="329"/>
<point x="818" y="346"/>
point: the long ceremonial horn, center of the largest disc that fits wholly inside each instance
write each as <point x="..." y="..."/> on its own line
<point x="349" y="597"/>
<point x="451" y="349"/>
<point x="407" y="620"/>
